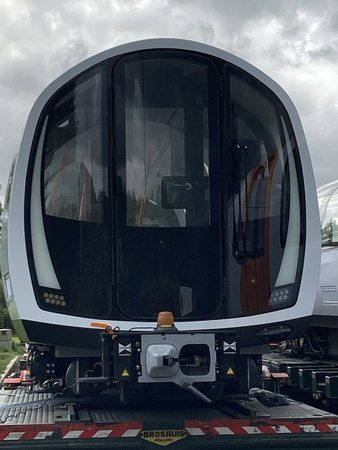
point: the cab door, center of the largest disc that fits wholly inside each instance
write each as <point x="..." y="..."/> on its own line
<point x="167" y="186"/>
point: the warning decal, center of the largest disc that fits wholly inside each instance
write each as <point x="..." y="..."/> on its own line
<point x="229" y="347"/>
<point x="125" y="373"/>
<point x="195" y="428"/>
<point x="124" y="350"/>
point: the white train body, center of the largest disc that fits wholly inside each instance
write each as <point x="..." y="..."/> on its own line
<point x="323" y="332"/>
<point x="161" y="175"/>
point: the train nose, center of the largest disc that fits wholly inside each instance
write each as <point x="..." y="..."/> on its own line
<point x="162" y="360"/>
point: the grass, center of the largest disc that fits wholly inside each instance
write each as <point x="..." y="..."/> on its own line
<point x="7" y="355"/>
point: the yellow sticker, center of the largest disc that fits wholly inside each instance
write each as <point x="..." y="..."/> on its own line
<point x="230" y="371"/>
<point x="163" y="437"/>
<point x="125" y="373"/>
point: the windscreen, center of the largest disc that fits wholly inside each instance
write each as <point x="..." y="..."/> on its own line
<point x="265" y="211"/>
<point x="69" y="214"/>
<point x="168" y="210"/>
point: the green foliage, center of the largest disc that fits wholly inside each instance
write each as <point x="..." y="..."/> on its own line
<point x="1" y="209"/>
<point x="2" y="297"/>
<point x="6" y="356"/>
<point x="5" y="321"/>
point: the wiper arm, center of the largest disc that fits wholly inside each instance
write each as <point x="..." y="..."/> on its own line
<point x="239" y="236"/>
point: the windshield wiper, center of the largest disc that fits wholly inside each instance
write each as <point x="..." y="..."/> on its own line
<point x="239" y="237"/>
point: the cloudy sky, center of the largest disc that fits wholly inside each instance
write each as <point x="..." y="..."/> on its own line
<point x="293" y="41"/>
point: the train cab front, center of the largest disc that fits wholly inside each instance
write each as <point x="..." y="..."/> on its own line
<point x="162" y="176"/>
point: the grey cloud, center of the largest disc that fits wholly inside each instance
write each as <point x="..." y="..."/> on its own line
<point x="21" y="77"/>
<point x="325" y="52"/>
<point x="294" y="41"/>
<point x="71" y="52"/>
<point x="333" y="23"/>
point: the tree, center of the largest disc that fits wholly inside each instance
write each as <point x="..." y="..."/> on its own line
<point x="5" y="321"/>
<point x="1" y="209"/>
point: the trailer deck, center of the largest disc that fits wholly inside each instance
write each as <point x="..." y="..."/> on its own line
<point x="44" y="421"/>
<point x="309" y="375"/>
